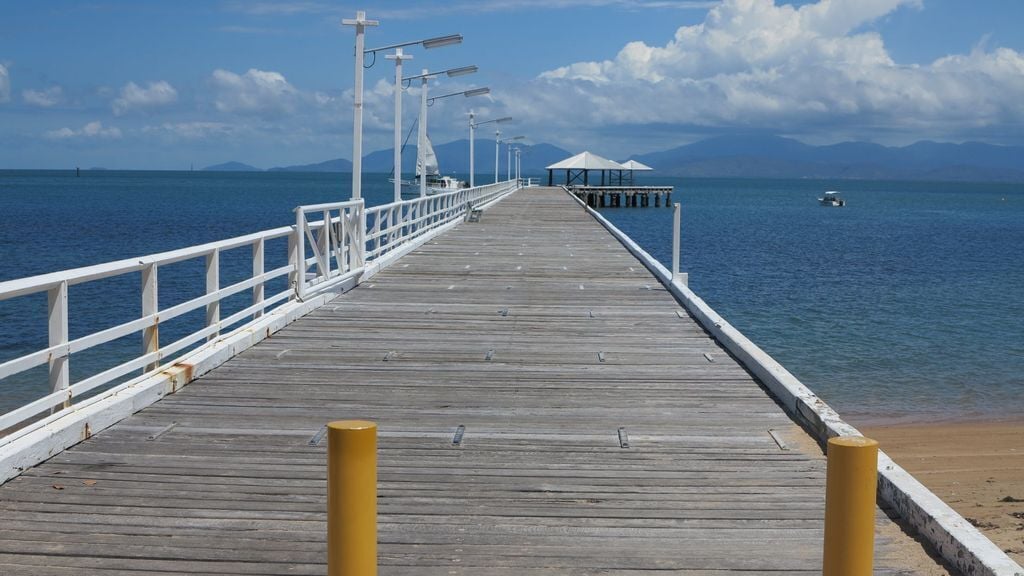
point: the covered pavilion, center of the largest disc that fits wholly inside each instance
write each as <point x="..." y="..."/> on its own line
<point x="632" y="165"/>
<point x="578" y="168"/>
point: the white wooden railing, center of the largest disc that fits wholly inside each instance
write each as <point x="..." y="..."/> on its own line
<point x="322" y="254"/>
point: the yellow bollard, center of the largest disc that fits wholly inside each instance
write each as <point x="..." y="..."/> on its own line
<point x="850" y="487"/>
<point x="351" y="498"/>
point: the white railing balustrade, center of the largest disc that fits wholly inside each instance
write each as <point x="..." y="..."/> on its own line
<point x="329" y="244"/>
<point x="336" y="242"/>
<point x="56" y="285"/>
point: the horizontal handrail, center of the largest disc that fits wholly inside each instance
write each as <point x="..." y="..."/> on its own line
<point x="42" y="282"/>
<point x="322" y="254"/>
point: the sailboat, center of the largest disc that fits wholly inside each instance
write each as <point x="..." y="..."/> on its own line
<point x="436" y="183"/>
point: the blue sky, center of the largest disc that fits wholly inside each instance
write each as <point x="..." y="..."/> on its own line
<point x="162" y="85"/>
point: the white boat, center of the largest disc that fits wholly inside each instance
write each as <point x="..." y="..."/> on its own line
<point x="436" y="183"/>
<point x="832" y="199"/>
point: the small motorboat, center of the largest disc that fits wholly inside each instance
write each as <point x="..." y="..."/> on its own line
<point x="832" y="199"/>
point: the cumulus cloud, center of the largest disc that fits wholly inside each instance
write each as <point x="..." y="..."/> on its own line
<point x="43" y="98"/>
<point x="5" y="84"/>
<point x="92" y="130"/>
<point x="755" y="64"/>
<point x="135" y="97"/>
<point x="256" y="92"/>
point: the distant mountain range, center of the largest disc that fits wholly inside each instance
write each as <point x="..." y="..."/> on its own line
<point x="773" y="156"/>
<point x="731" y="156"/>
<point x="231" y="167"/>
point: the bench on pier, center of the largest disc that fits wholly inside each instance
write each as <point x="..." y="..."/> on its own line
<point x="473" y="213"/>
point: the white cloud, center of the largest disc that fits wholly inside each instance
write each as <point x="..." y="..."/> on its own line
<point x="92" y="130"/>
<point x="753" y="64"/>
<point x="5" y="84"/>
<point x="135" y="97"/>
<point x="43" y="98"/>
<point x="256" y="92"/>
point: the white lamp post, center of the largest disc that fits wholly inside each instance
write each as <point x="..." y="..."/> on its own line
<point x="497" y="143"/>
<point x="398" y="57"/>
<point x="472" y="134"/>
<point x="360" y="22"/>
<point x="421" y="140"/>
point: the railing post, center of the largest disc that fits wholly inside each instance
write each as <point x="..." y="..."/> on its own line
<point x="324" y="242"/>
<point x="360" y="236"/>
<point x="257" y="270"/>
<point x="675" y="241"/>
<point x="297" y="255"/>
<point x="57" y="312"/>
<point x="850" y="485"/>
<point x="212" y="285"/>
<point x="150" y="305"/>
<point x="351" y="498"/>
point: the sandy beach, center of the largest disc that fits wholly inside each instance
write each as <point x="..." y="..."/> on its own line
<point x="976" y="467"/>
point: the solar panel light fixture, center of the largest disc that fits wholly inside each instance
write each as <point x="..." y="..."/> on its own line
<point x="429" y="43"/>
<point x="442" y="41"/>
<point x="466" y="93"/>
<point x="452" y="73"/>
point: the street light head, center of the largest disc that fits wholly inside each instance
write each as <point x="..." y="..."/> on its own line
<point x="476" y="92"/>
<point x="461" y="71"/>
<point x="442" y="41"/>
<point x="505" y="119"/>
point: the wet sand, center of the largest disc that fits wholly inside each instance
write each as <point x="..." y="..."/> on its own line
<point x="977" y="468"/>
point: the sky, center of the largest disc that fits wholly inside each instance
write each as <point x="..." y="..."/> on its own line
<point x="143" y="84"/>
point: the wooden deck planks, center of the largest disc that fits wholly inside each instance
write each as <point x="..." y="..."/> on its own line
<point x="540" y="335"/>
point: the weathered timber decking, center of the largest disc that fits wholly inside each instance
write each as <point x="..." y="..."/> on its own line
<point x="220" y="477"/>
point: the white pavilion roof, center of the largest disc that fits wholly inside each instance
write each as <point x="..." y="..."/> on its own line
<point x="634" y="165"/>
<point x="586" y="161"/>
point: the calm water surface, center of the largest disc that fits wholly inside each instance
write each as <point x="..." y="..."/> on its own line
<point x="908" y="303"/>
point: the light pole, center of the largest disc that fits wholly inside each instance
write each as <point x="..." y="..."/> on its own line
<point x="398" y="57"/>
<point x="360" y="22"/>
<point x="421" y="139"/>
<point x="519" y="173"/>
<point x="497" y="142"/>
<point x="472" y="134"/>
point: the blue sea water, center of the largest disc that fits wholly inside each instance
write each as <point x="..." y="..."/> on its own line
<point x="906" y="304"/>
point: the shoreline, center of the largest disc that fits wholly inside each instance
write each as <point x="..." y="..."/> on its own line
<point x="976" y="466"/>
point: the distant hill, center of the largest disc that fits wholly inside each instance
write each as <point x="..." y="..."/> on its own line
<point x="336" y="165"/>
<point x="231" y="167"/>
<point x="777" y="157"/>
<point x="754" y="156"/>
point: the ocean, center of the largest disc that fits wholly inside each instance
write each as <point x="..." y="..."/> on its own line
<point x="905" y="305"/>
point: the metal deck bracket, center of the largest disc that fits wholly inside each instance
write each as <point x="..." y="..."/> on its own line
<point x="457" y="438"/>
<point x="161" y="431"/>
<point x="315" y="440"/>
<point x="623" y="438"/>
<point x="778" y="439"/>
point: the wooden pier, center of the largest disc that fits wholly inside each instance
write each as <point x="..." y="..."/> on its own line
<point x="617" y="196"/>
<point x="603" y="432"/>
